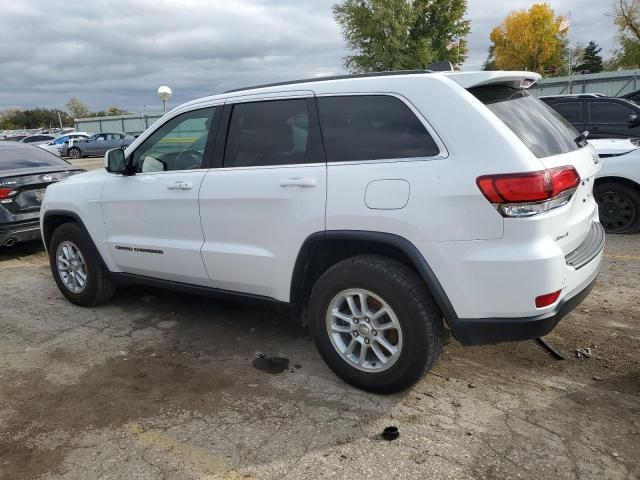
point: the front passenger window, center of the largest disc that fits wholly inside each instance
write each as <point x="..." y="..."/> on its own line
<point x="177" y="145"/>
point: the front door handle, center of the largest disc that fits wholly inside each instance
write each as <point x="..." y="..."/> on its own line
<point x="298" y="182"/>
<point x="180" y="186"/>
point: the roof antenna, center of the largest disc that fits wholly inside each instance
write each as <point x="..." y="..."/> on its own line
<point x="442" y="66"/>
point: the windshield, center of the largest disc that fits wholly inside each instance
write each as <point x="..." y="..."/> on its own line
<point x="12" y="158"/>
<point x="539" y="127"/>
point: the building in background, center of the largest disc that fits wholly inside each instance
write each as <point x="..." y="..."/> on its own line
<point x="611" y="84"/>
<point x="132" y="124"/>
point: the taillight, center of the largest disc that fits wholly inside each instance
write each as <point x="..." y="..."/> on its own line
<point x="7" y="193"/>
<point x="526" y="194"/>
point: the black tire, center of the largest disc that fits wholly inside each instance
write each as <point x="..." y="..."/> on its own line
<point x="406" y="294"/>
<point x="74" y="152"/>
<point x="99" y="287"/>
<point x="619" y="206"/>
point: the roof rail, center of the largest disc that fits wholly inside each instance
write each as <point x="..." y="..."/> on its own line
<point x="337" y="77"/>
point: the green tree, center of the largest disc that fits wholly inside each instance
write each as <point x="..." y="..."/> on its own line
<point x="400" y="34"/>
<point x="76" y="108"/>
<point x="626" y="16"/>
<point x="591" y="60"/>
<point x="490" y="62"/>
<point x="116" y="111"/>
<point x="443" y="22"/>
<point x="34" y="118"/>
<point x="529" y="40"/>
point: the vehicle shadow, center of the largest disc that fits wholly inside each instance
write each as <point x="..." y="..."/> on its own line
<point x="21" y="250"/>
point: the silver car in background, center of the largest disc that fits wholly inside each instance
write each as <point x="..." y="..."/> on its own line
<point x="96" y="145"/>
<point x="55" y="145"/>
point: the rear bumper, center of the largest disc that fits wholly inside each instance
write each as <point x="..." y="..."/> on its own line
<point x="503" y="290"/>
<point x="482" y="331"/>
<point x="19" y="232"/>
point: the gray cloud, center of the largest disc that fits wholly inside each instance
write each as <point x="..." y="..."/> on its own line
<point x="118" y="52"/>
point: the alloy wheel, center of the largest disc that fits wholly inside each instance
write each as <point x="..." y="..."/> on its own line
<point x="71" y="266"/>
<point x="364" y="330"/>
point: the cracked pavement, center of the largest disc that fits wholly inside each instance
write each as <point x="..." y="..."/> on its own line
<point x="161" y="385"/>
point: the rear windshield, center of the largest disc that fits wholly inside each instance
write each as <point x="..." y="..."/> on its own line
<point x="541" y="129"/>
<point x="12" y="158"/>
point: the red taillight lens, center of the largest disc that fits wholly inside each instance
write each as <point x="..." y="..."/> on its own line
<point x="563" y="179"/>
<point x="548" y="299"/>
<point x="528" y="187"/>
<point x="6" y="193"/>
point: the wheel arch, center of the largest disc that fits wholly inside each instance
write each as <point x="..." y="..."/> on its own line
<point x="615" y="179"/>
<point x="52" y="219"/>
<point x="322" y="250"/>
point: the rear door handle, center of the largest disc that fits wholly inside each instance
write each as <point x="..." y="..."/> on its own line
<point x="298" y="182"/>
<point x="180" y="186"/>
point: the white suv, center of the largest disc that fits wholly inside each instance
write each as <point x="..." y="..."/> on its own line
<point x="374" y="207"/>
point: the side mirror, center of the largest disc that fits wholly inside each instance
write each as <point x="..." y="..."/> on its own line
<point x="114" y="161"/>
<point x="633" y="118"/>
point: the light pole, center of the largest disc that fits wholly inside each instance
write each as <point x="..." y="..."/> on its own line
<point x="164" y="93"/>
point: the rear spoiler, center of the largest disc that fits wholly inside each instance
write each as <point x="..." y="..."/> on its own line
<point x="479" y="79"/>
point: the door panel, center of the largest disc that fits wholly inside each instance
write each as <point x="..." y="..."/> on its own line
<point x="255" y="221"/>
<point x="153" y="217"/>
<point x="268" y="196"/>
<point x="153" y="225"/>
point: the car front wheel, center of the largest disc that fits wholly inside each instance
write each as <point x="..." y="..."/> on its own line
<point x="77" y="268"/>
<point x="375" y="323"/>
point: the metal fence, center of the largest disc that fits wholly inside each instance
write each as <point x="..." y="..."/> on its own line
<point x="132" y="124"/>
<point x="613" y="84"/>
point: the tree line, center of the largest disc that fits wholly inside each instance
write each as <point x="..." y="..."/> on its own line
<point x="15" y="119"/>
<point x="387" y="35"/>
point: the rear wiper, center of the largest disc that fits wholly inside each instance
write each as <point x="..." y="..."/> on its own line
<point x="581" y="140"/>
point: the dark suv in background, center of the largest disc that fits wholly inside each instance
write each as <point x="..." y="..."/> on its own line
<point x="603" y="117"/>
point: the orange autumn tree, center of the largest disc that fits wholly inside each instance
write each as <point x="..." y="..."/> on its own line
<point x="528" y="40"/>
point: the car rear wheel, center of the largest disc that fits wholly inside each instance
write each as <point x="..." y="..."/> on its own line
<point x="74" y="152"/>
<point x="77" y="268"/>
<point x="375" y="323"/>
<point x="619" y="207"/>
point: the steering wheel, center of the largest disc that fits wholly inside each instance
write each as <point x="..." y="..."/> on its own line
<point x="188" y="160"/>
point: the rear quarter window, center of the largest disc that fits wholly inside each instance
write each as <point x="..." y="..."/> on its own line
<point x="570" y="111"/>
<point x="537" y="125"/>
<point x="372" y="127"/>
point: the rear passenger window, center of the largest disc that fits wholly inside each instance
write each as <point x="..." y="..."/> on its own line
<point x="571" y="111"/>
<point x="372" y="127"/>
<point x="274" y="132"/>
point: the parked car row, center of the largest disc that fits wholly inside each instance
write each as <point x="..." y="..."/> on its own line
<point x="55" y="145"/>
<point x="76" y="144"/>
<point x="95" y="145"/>
<point x="603" y="117"/>
<point x="613" y="125"/>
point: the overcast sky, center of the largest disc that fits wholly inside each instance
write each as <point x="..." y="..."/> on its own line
<point x="118" y="52"/>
